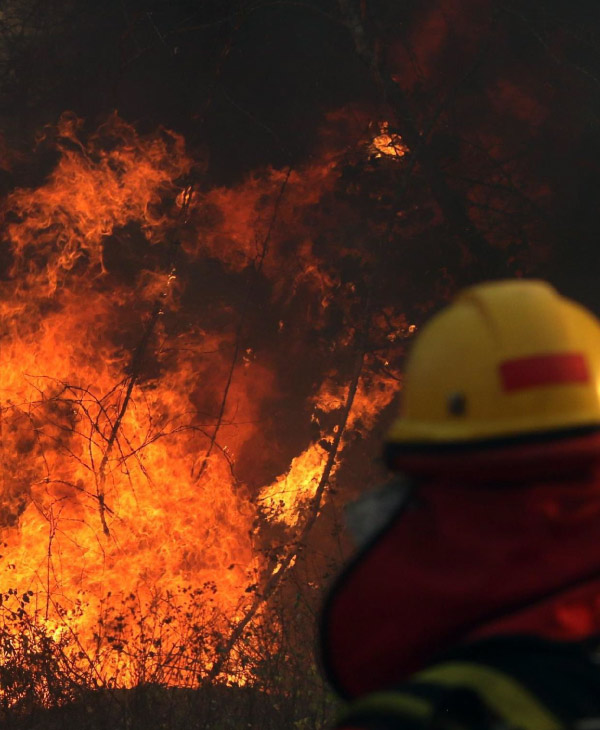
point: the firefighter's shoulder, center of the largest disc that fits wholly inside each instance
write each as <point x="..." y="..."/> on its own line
<point x="499" y="683"/>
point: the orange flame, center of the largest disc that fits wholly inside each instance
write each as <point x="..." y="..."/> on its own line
<point x="126" y="530"/>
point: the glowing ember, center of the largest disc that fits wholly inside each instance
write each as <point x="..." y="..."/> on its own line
<point x="387" y="144"/>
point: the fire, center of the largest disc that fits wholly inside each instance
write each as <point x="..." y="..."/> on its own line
<point x="127" y="533"/>
<point x="285" y="499"/>
<point x="91" y="192"/>
<point x="144" y="527"/>
<point x="387" y="144"/>
<point x="291" y="492"/>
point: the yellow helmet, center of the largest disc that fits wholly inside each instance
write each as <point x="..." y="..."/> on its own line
<point x="505" y="361"/>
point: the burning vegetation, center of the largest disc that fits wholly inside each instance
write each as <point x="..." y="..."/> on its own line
<point x="130" y="537"/>
<point x="206" y="298"/>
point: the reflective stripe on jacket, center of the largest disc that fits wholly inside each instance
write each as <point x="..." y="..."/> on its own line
<point x="512" y="682"/>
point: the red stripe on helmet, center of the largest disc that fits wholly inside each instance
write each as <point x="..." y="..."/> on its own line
<point x="528" y="372"/>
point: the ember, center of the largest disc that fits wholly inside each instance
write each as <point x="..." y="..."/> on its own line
<point x="387" y="144"/>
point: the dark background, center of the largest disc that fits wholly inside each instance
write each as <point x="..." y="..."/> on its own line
<point x="506" y="93"/>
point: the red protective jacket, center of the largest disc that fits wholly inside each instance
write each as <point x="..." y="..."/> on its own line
<point x="464" y="562"/>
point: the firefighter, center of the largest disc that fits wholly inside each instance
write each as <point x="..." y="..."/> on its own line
<point x="477" y="605"/>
